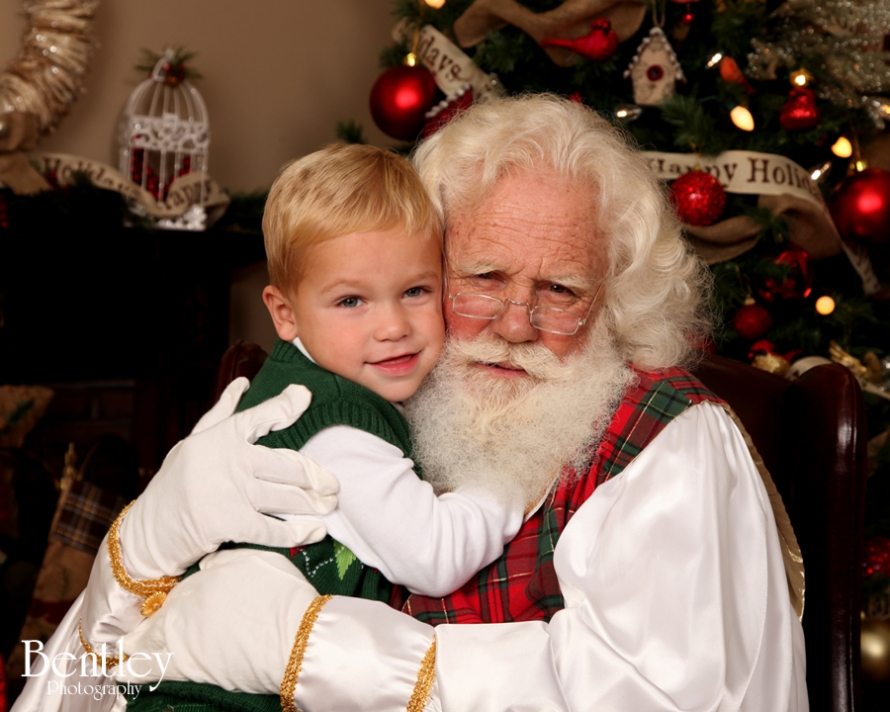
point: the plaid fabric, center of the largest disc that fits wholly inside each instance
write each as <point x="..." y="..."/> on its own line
<point x="522" y="584"/>
<point x="85" y="516"/>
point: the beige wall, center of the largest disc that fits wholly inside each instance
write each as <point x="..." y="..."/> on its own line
<point x="277" y="77"/>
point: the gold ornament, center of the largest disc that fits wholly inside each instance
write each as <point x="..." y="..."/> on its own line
<point x="875" y="644"/>
<point x="47" y="76"/>
<point x="838" y="355"/>
<point x="771" y="363"/>
<point x="869" y="372"/>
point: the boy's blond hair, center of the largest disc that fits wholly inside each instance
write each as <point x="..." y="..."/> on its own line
<point x="341" y="189"/>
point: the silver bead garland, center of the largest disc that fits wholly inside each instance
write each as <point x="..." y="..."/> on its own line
<point x="846" y="34"/>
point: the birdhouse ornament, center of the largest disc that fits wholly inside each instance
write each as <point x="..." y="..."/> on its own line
<point x="164" y="132"/>
<point x="655" y="70"/>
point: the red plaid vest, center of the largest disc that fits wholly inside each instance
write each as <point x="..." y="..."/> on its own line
<point x="522" y="585"/>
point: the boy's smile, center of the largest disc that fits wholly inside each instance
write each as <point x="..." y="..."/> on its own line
<point x="398" y="365"/>
<point x="369" y="308"/>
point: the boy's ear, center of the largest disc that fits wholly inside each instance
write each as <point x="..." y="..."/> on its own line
<point x="282" y="313"/>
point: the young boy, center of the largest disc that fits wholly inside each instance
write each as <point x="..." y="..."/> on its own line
<point x="354" y="247"/>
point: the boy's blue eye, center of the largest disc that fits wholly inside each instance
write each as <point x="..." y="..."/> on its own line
<point x="349" y="302"/>
<point x="415" y="292"/>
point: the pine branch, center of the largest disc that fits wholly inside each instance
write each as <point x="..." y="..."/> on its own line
<point x="351" y="132"/>
<point x="735" y="25"/>
<point x="694" y="129"/>
<point x="393" y="55"/>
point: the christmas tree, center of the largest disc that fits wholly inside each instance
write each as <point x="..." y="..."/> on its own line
<point x="767" y="121"/>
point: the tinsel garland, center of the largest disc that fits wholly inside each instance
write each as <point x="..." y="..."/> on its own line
<point x="839" y="40"/>
<point x="47" y="75"/>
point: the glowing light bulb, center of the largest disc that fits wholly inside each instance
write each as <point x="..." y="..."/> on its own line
<point x="820" y="172"/>
<point x="628" y="112"/>
<point x="800" y="78"/>
<point x="742" y="118"/>
<point x="842" y="148"/>
<point x="714" y="60"/>
<point x="825" y="305"/>
<point x="411" y="59"/>
<point x="435" y="3"/>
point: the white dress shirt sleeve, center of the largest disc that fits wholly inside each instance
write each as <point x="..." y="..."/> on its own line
<point x="393" y="521"/>
<point x="676" y="599"/>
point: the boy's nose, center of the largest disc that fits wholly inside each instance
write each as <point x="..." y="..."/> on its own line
<point x="393" y="325"/>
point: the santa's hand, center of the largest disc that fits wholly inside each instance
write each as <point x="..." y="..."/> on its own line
<point x="216" y="486"/>
<point x="232" y="624"/>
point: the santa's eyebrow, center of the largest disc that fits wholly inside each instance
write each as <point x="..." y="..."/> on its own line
<point x="471" y="266"/>
<point x="573" y="282"/>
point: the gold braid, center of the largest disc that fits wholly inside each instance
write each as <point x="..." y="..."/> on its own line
<point x="153" y="590"/>
<point x="424" y="681"/>
<point x="295" y="662"/>
<point x="106" y="662"/>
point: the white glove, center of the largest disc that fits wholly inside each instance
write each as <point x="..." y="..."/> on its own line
<point x="216" y="486"/>
<point x="233" y="624"/>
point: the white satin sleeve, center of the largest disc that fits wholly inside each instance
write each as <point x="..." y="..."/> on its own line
<point x="675" y="600"/>
<point x="57" y="682"/>
<point x="393" y="521"/>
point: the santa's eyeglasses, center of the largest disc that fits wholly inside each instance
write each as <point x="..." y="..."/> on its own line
<point x="550" y="319"/>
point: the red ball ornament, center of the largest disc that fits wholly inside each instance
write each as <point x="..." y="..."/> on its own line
<point x="800" y="112"/>
<point x="752" y="321"/>
<point x="698" y="197"/>
<point x="400" y="98"/>
<point x="877" y="556"/>
<point x="860" y="206"/>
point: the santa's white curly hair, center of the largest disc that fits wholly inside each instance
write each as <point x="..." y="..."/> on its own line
<point x="655" y="290"/>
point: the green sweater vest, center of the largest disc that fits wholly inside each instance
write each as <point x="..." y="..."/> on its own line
<point x="328" y="565"/>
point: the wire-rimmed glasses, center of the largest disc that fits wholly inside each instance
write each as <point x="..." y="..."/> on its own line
<point x="550" y="319"/>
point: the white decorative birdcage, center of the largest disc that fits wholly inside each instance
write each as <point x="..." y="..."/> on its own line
<point x="164" y="132"/>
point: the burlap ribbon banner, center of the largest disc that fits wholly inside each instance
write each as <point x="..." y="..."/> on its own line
<point x="785" y="189"/>
<point x="191" y="189"/>
<point x="18" y="134"/>
<point x="452" y="70"/>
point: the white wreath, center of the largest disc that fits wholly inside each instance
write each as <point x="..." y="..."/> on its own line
<point x="47" y="76"/>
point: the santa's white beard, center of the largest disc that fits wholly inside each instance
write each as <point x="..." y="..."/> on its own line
<point x="514" y="436"/>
